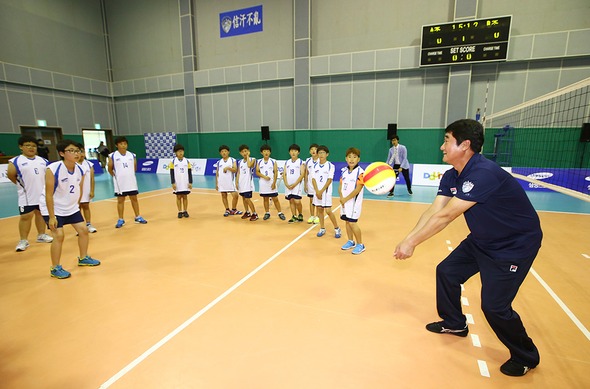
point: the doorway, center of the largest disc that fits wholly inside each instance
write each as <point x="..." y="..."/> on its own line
<point x="49" y="135"/>
<point x="93" y="138"/>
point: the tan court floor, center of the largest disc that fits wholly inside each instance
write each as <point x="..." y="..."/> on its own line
<point x="312" y="317"/>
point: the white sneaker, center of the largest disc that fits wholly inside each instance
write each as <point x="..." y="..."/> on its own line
<point x="44" y="238"/>
<point x="311" y="219"/>
<point x="316" y="220"/>
<point x="91" y="228"/>
<point x="22" y="245"/>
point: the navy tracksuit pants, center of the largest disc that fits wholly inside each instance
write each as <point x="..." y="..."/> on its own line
<point x="500" y="280"/>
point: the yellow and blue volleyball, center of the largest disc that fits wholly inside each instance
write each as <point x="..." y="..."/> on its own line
<point x="379" y="178"/>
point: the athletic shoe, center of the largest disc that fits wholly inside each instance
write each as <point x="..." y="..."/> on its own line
<point x="235" y="212"/>
<point x="120" y="223"/>
<point x="293" y="220"/>
<point x="91" y="228"/>
<point x="390" y="194"/>
<point x="140" y="220"/>
<point x="300" y="218"/>
<point x="266" y="216"/>
<point x="311" y="219"/>
<point x="316" y="220"/>
<point x="88" y="261"/>
<point x="410" y="192"/>
<point x="246" y="215"/>
<point x="59" y="272"/>
<point x="321" y="232"/>
<point x="282" y="216"/>
<point x="439" y="328"/>
<point x="348" y="245"/>
<point x="514" y="369"/>
<point x="359" y="248"/>
<point x="180" y="215"/>
<point x="22" y="245"/>
<point x="185" y="214"/>
<point x="337" y="233"/>
<point x="44" y="238"/>
<point x="227" y="213"/>
<point x="254" y="217"/>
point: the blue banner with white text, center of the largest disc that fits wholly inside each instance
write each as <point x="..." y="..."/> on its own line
<point x="240" y="22"/>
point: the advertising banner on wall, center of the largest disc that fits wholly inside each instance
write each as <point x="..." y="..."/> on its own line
<point x="3" y="176"/>
<point x="240" y="22"/>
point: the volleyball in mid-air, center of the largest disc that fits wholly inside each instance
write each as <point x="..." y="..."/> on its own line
<point x="379" y="178"/>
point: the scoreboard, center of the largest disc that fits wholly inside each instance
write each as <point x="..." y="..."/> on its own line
<point x="478" y="40"/>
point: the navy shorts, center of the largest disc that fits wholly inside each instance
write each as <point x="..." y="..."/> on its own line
<point x="292" y="196"/>
<point x="246" y="195"/>
<point x="23" y="210"/>
<point x="269" y="194"/>
<point x="184" y="192"/>
<point x="130" y="193"/>
<point x="347" y="219"/>
<point x="63" y="220"/>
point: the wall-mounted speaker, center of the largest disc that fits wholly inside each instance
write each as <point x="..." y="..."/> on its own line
<point x="265" y="131"/>
<point x="391" y="130"/>
<point x="585" y="134"/>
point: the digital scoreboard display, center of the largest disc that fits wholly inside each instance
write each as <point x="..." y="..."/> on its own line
<point x="478" y="40"/>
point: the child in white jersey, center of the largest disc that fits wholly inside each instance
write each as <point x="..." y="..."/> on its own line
<point x="267" y="170"/>
<point x="88" y="189"/>
<point x="323" y="175"/>
<point x="225" y="181"/>
<point x="181" y="176"/>
<point x="351" y="198"/>
<point x="293" y="174"/>
<point x="245" y="182"/>
<point x="122" y="166"/>
<point x="27" y="171"/>
<point x="308" y="186"/>
<point x="59" y="205"/>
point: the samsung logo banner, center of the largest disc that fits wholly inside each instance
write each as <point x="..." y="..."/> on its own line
<point x="240" y="22"/>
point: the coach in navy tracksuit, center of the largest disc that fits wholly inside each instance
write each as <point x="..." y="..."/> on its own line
<point x="504" y="240"/>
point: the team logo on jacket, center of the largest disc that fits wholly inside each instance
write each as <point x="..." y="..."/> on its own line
<point x="467" y="186"/>
<point x="513" y="268"/>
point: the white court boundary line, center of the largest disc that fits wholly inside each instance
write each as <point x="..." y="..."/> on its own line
<point x="188" y="322"/>
<point x="559" y="302"/>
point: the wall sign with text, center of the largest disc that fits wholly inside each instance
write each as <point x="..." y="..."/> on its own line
<point x="241" y="21"/>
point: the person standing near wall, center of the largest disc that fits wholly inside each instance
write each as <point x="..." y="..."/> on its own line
<point x="398" y="160"/>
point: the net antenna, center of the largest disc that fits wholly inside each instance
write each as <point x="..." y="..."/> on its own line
<point x="541" y="140"/>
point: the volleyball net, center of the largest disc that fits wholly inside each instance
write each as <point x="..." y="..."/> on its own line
<point x="545" y="141"/>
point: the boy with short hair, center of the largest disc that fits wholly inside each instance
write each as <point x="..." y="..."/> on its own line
<point x="88" y="189"/>
<point x="323" y="175"/>
<point x="245" y="182"/>
<point x="122" y="166"/>
<point x="308" y="186"/>
<point x="181" y="177"/>
<point x="267" y="170"/>
<point x="27" y="172"/>
<point x="225" y="178"/>
<point x="351" y="198"/>
<point x="64" y="181"/>
<point x="293" y="174"/>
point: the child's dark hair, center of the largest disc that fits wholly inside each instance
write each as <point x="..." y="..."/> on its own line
<point x="63" y="144"/>
<point x="323" y="148"/>
<point x="265" y="147"/>
<point x="177" y="147"/>
<point x="120" y="139"/>
<point x="244" y="147"/>
<point x="224" y="147"/>
<point x="26" y="139"/>
<point x="313" y="145"/>
<point x="294" y="147"/>
<point x="353" y="150"/>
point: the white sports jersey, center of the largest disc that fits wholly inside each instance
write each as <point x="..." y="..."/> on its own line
<point x="310" y="166"/>
<point x="246" y="179"/>
<point x="124" y="169"/>
<point x="226" y="182"/>
<point x="30" y="178"/>
<point x="181" y="176"/>
<point x="321" y="175"/>
<point x="348" y="183"/>
<point x="66" y="190"/>
<point x="86" y="166"/>
<point x="268" y="169"/>
<point x="291" y="174"/>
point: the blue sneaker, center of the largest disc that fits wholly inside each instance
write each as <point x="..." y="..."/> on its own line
<point x="88" y="261"/>
<point x="120" y="223"/>
<point x="337" y="233"/>
<point x="59" y="272"/>
<point x="321" y="232"/>
<point x="359" y="248"/>
<point x="140" y="220"/>
<point x="348" y="245"/>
